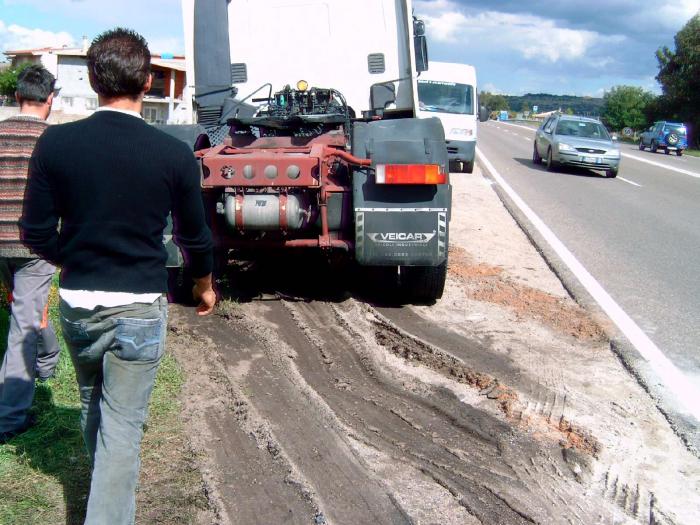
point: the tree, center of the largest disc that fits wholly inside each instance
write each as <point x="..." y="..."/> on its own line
<point x="493" y="102"/>
<point x="625" y="107"/>
<point x="8" y="79"/>
<point x="679" y="76"/>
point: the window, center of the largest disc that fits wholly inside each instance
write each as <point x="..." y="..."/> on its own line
<point x="158" y="86"/>
<point x="150" y="115"/>
<point x="589" y="130"/>
<point x="91" y="103"/>
<point x="67" y="102"/>
<point x="445" y="97"/>
<point x="549" y="126"/>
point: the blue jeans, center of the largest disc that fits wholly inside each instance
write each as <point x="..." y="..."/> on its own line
<point x="31" y="350"/>
<point x="116" y="352"/>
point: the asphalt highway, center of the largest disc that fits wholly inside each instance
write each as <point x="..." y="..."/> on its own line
<point x="637" y="234"/>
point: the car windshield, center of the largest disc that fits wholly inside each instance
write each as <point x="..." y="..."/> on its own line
<point x="583" y="129"/>
<point x="676" y="128"/>
<point x="445" y="97"/>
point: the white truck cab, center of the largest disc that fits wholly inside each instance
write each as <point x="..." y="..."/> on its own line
<point x="339" y="44"/>
<point x="308" y="138"/>
<point x="448" y="91"/>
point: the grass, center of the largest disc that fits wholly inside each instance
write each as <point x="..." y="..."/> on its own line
<point x="692" y="152"/>
<point x="44" y="473"/>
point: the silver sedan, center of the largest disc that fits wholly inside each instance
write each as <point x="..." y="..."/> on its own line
<point x="576" y="141"/>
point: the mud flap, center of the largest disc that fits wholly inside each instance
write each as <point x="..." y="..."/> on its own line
<point x="403" y="225"/>
<point x="397" y="236"/>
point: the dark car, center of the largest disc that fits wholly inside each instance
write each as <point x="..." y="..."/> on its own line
<point x="668" y="136"/>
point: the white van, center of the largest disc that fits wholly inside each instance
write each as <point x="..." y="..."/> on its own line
<point x="448" y="91"/>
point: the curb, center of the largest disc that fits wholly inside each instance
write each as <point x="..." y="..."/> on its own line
<point x="684" y="426"/>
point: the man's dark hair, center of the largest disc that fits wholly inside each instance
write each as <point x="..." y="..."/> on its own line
<point x="35" y="84"/>
<point x="119" y="63"/>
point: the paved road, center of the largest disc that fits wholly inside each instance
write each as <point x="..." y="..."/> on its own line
<point x="638" y="234"/>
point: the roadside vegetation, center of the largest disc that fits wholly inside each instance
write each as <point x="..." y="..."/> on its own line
<point x="679" y="77"/>
<point x="45" y="475"/>
<point x="631" y="106"/>
<point x="8" y="80"/>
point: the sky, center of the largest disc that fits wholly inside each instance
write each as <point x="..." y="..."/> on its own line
<point x="573" y="47"/>
<point x="577" y="47"/>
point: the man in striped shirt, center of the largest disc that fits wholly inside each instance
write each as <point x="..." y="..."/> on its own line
<point x="32" y="348"/>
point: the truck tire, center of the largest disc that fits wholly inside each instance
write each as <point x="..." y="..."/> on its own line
<point x="653" y="147"/>
<point x="423" y="284"/>
<point x="679" y="152"/>
<point x="378" y="284"/>
<point x="468" y="167"/>
<point x="641" y="144"/>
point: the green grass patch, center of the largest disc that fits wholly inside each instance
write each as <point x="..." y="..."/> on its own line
<point x="44" y="473"/>
<point x="692" y="152"/>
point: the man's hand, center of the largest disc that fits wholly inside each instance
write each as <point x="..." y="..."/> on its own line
<point x="203" y="292"/>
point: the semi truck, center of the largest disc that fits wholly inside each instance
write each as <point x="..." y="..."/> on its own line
<point x="448" y="91"/>
<point x="307" y="135"/>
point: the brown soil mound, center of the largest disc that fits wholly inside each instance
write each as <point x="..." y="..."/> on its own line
<point x="489" y="284"/>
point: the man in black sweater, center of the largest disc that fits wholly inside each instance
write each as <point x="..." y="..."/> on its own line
<point x="111" y="180"/>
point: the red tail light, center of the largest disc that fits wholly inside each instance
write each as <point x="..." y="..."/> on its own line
<point x="410" y="174"/>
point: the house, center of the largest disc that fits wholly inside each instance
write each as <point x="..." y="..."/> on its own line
<point x="168" y="101"/>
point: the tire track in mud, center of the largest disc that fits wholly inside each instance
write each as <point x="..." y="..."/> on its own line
<point x="547" y="417"/>
<point x="497" y="474"/>
<point x="247" y="482"/>
<point x="311" y="460"/>
<point x="325" y="422"/>
<point x="540" y="403"/>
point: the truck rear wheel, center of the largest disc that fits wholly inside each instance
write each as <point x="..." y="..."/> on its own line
<point x="423" y="284"/>
<point x="378" y="283"/>
<point x="468" y="167"/>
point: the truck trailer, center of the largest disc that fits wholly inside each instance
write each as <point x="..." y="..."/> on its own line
<point x="308" y="138"/>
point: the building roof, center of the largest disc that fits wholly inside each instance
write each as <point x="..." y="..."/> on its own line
<point x="178" y="64"/>
<point x="34" y="52"/>
<point x="165" y="60"/>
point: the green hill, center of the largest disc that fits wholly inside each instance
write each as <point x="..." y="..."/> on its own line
<point x="587" y="106"/>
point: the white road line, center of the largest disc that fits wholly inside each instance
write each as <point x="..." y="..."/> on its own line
<point x="629" y="181"/>
<point x="518" y="126"/>
<point x="671" y="377"/>
<point x="660" y="165"/>
<point x="640" y="159"/>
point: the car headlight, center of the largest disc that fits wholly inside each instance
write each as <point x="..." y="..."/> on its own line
<point x="565" y="147"/>
<point x="461" y="131"/>
<point x="614" y="153"/>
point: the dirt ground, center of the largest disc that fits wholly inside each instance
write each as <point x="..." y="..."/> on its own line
<point x="500" y="404"/>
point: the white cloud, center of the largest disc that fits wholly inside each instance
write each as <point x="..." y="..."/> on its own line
<point x="677" y="13"/>
<point x="15" y="37"/>
<point x="491" y="88"/>
<point x="166" y="45"/>
<point x="533" y="37"/>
